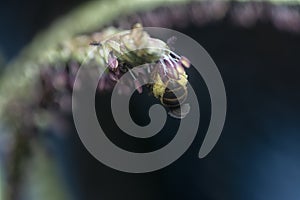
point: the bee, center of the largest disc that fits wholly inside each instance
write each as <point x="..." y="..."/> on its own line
<point x="172" y="94"/>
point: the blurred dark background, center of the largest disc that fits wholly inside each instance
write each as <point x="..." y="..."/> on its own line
<point x="257" y="156"/>
<point x="21" y="20"/>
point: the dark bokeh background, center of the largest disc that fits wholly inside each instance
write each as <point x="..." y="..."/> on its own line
<point x="257" y="156"/>
<point x="20" y="20"/>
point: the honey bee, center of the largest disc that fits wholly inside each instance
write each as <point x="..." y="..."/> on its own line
<point x="172" y="94"/>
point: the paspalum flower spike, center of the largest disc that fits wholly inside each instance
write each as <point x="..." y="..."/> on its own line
<point x="112" y="61"/>
<point x="128" y="49"/>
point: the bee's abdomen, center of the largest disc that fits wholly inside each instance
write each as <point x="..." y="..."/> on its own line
<point x="174" y="95"/>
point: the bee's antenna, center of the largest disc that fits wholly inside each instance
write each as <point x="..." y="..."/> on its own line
<point x="94" y="43"/>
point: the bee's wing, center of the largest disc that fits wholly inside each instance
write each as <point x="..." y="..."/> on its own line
<point x="180" y="112"/>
